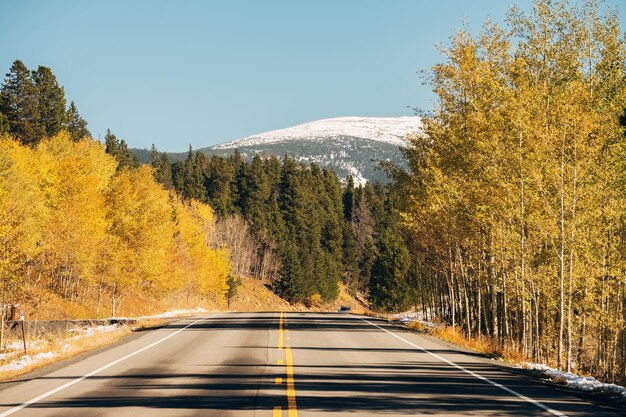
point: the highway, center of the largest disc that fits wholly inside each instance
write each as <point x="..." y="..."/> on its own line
<point x="287" y="364"/>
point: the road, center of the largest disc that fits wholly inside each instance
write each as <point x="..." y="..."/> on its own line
<point x="290" y="365"/>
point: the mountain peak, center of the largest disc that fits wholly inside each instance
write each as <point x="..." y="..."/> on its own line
<point x="391" y="130"/>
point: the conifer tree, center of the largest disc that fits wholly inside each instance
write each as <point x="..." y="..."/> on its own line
<point x="50" y="100"/>
<point x="388" y="281"/>
<point x="162" y="168"/>
<point x="350" y="257"/>
<point x="291" y="284"/>
<point x="119" y="150"/>
<point x="19" y="104"/>
<point x="178" y="176"/>
<point x="348" y="198"/>
<point x="4" y="125"/>
<point x="75" y="124"/>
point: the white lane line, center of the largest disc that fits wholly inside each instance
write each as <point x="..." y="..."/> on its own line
<point x="97" y="371"/>
<point x="474" y="374"/>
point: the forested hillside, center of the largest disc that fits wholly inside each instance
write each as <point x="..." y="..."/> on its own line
<point x="515" y="200"/>
<point x="297" y="226"/>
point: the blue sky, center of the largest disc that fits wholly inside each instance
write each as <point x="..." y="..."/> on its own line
<point x="176" y="73"/>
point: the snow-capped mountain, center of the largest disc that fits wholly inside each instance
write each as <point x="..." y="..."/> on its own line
<point x="349" y="145"/>
<point x="390" y="130"/>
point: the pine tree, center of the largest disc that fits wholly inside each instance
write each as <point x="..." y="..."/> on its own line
<point x="18" y="103"/>
<point x="387" y="285"/>
<point x="163" y="173"/>
<point x="162" y="168"/>
<point x="193" y="177"/>
<point x="75" y="124"/>
<point x="292" y="284"/>
<point x="348" y="198"/>
<point x="350" y="257"/>
<point x="4" y="125"/>
<point x="154" y="156"/>
<point x="50" y="100"/>
<point x="178" y="176"/>
<point x="119" y="150"/>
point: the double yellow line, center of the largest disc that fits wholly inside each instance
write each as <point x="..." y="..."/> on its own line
<point x="291" y="387"/>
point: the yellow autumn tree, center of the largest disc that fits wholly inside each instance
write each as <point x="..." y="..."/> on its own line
<point x="140" y="233"/>
<point x="75" y="178"/>
<point x="515" y="197"/>
<point x="23" y="215"/>
<point x="206" y="269"/>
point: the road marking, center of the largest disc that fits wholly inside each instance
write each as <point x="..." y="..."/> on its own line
<point x="277" y="412"/>
<point x="278" y="380"/>
<point x="280" y="331"/>
<point x="474" y="374"/>
<point x="97" y="371"/>
<point x="291" y="388"/>
<point x="279" y="361"/>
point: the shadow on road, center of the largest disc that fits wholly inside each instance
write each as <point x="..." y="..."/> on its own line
<point x="392" y="381"/>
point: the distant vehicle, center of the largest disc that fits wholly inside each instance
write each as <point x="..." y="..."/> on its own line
<point x="345" y="309"/>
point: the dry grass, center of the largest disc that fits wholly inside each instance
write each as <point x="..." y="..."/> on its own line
<point x="418" y="327"/>
<point x="254" y="295"/>
<point x="484" y="345"/>
<point x="62" y="348"/>
<point x="66" y="345"/>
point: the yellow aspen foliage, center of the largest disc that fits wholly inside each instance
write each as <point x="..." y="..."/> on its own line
<point x="141" y="231"/>
<point x="22" y="214"/>
<point x="206" y="269"/>
<point x="73" y="226"/>
<point x="515" y="198"/>
<point x="76" y="176"/>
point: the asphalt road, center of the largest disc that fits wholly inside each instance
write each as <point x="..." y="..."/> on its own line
<point x="292" y="364"/>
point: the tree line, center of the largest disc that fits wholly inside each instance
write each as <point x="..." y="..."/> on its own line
<point x="515" y="196"/>
<point x="296" y="225"/>
<point x="33" y="106"/>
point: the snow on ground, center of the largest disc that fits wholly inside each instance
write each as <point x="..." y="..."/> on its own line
<point x="27" y="360"/>
<point x="410" y="316"/>
<point x="92" y="330"/>
<point x="583" y="383"/>
<point x="15" y="348"/>
<point x="173" y="313"/>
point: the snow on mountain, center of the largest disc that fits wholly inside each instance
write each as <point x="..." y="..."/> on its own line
<point x="391" y="130"/>
<point x="348" y="145"/>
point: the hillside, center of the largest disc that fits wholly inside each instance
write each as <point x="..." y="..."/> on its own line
<point x="348" y="145"/>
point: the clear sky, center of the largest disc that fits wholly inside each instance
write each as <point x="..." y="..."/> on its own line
<point x="175" y="73"/>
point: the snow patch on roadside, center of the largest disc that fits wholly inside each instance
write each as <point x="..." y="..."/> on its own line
<point x="87" y="331"/>
<point x="173" y="313"/>
<point x="582" y="383"/>
<point x="412" y="316"/>
<point x="27" y="360"/>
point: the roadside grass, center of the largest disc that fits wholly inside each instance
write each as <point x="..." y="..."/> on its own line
<point x="484" y="345"/>
<point x="54" y="347"/>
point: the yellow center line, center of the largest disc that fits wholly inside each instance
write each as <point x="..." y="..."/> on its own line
<point x="280" y="331"/>
<point x="291" y="388"/>
<point x="279" y="361"/>
<point x="277" y="412"/>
